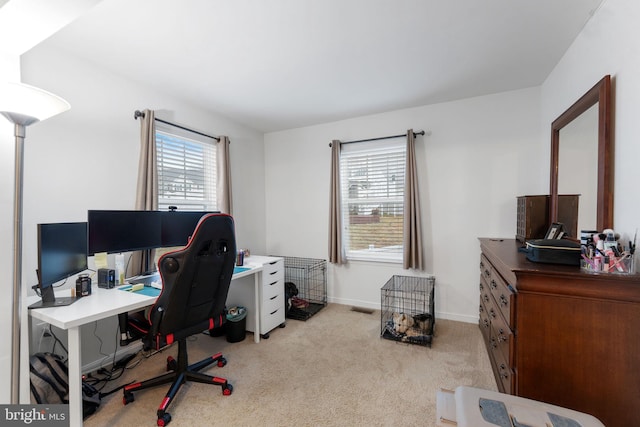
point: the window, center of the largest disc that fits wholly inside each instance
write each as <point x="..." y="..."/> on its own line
<point x="372" y="181"/>
<point x="186" y="169"/>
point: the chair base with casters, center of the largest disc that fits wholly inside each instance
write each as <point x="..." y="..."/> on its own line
<point x="181" y="373"/>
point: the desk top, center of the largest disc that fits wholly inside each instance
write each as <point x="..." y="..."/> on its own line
<point x="103" y="303"/>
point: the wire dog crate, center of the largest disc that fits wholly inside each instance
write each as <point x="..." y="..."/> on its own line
<point x="305" y="286"/>
<point x="407" y="309"/>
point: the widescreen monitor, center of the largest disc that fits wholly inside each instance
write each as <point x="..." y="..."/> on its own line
<point x="114" y="231"/>
<point x="62" y="252"/>
<point x="178" y="226"/>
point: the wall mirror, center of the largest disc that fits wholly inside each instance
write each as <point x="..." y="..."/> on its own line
<point x="582" y="158"/>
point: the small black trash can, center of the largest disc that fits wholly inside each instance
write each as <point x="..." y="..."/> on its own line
<point x="236" y="326"/>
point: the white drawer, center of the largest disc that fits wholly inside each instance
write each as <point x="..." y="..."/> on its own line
<point x="272" y="320"/>
<point x="271" y="288"/>
<point x="270" y="304"/>
<point x="274" y="269"/>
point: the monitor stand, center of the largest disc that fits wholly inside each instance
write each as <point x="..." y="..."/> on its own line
<point x="50" y="300"/>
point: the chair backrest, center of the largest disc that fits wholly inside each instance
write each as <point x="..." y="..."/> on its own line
<point x="195" y="282"/>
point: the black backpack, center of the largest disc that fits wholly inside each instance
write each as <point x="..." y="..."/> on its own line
<point x="50" y="383"/>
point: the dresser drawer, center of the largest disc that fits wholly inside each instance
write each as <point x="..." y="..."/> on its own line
<point x="505" y="375"/>
<point x="485" y="293"/>
<point x="484" y="323"/>
<point x="502" y="339"/>
<point x="485" y="267"/>
<point x="504" y="297"/>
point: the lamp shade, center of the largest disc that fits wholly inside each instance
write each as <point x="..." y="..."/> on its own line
<point x="23" y="104"/>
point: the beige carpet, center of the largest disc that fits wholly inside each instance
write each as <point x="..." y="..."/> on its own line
<point x="332" y="370"/>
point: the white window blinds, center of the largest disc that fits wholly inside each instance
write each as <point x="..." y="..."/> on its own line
<point x="186" y="169"/>
<point x="372" y="181"/>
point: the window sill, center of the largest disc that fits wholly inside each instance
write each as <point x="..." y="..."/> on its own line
<point x="376" y="259"/>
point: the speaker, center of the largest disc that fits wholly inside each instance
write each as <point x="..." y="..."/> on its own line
<point x="106" y="278"/>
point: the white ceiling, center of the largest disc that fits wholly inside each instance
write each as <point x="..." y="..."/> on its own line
<point x="279" y="64"/>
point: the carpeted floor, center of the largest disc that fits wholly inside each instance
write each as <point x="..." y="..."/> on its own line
<point x="332" y="370"/>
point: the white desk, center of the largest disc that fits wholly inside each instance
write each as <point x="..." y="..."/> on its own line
<point x="102" y="303"/>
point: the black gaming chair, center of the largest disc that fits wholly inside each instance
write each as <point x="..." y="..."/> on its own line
<point x="195" y="282"/>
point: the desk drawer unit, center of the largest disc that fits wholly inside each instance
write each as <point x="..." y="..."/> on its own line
<point x="272" y="313"/>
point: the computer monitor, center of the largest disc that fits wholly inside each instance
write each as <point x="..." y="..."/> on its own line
<point x="62" y="252"/>
<point x="178" y="226"/>
<point x="115" y="231"/>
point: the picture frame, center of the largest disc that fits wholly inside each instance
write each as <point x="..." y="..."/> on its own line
<point x="555" y="231"/>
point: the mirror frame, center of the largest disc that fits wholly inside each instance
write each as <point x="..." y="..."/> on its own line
<point x="600" y="93"/>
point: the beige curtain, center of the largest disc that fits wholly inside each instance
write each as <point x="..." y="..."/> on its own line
<point x="223" y="178"/>
<point x="412" y="229"/>
<point x="147" y="190"/>
<point x="336" y="254"/>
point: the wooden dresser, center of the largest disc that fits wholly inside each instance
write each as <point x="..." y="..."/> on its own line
<point x="562" y="336"/>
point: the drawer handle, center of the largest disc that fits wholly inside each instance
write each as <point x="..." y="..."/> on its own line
<point x="273" y="297"/>
<point x="273" y="312"/>
<point x="492" y="313"/>
<point x="273" y="272"/>
<point x="481" y="287"/>
<point x="273" y="262"/>
<point x="273" y="283"/>
<point x="493" y="284"/>
<point x="501" y="337"/>
<point x="487" y="273"/>
<point x="503" y="300"/>
<point x="493" y="343"/>
<point x="480" y="308"/>
<point x="504" y="374"/>
<point x="485" y="322"/>
<point x="481" y="265"/>
<point x="485" y="297"/>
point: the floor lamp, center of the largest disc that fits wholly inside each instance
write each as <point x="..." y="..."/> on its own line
<point x="22" y="105"/>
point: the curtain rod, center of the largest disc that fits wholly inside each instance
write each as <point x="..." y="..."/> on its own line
<point x="384" y="137"/>
<point x="139" y="113"/>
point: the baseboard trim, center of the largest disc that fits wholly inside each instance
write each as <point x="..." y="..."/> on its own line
<point x="108" y="360"/>
<point x="439" y="314"/>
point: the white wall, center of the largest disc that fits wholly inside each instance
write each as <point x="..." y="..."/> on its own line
<point x="607" y="45"/>
<point x="87" y="158"/>
<point x="482" y="153"/>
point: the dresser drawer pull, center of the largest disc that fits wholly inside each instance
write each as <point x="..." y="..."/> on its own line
<point x="273" y="312"/>
<point x="487" y="273"/>
<point x="492" y="313"/>
<point x="485" y="297"/>
<point x="485" y="323"/>
<point x="481" y="287"/>
<point x="273" y="262"/>
<point x="480" y="308"/>
<point x="501" y="337"/>
<point x="493" y="284"/>
<point x="273" y="272"/>
<point x="481" y="265"/>
<point x="273" y="283"/>
<point x="504" y="300"/>
<point x="504" y="372"/>
<point x="494" y="345"/>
